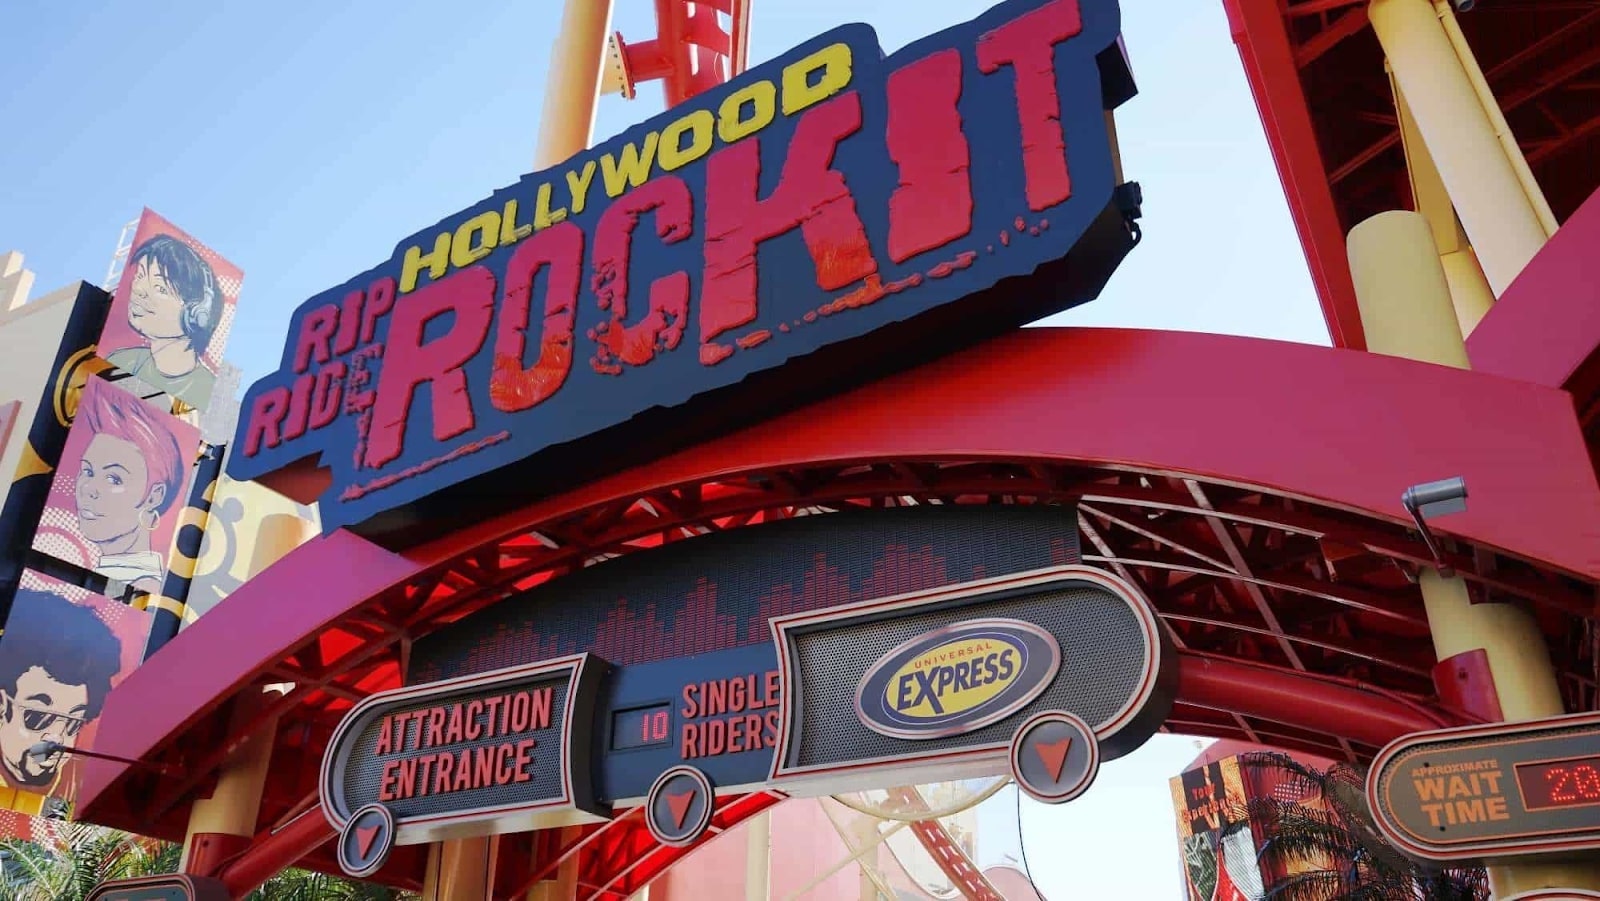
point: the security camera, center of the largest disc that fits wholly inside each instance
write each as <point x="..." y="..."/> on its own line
<point x="1463" y="6"/>
<point x="1436" y="498"/>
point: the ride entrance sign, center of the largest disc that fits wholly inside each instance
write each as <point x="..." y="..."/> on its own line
<point x="820" y="221"/>
<point x="1493" y="791"/>
<point x="503" y="751"/>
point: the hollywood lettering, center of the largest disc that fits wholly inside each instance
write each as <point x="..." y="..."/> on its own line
<point x="730" y="716"/>
<point x="445" y="767"/>
<point x="814" y="199"/>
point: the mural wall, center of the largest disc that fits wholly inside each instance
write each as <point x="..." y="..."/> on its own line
<point x="1214" y="836"/>
<point x="64" y="648"/>
<point x="171" y="313"/>
<point x="112" y="398"/>
<point x="124" y="471"/>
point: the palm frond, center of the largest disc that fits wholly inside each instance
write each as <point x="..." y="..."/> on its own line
<point x="1337" y="836"/>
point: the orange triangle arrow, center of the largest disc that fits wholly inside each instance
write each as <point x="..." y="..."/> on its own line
<point x="365" y="836"/>
<point x="680" y="806"/>
<point x="1053" y="754"/>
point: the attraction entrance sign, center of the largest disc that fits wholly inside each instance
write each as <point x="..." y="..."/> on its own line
<point x="1041" y="674"/>
<point x="1495" y="791"/>
<point x="823" y="219"/>
<point x="509" y="748"/>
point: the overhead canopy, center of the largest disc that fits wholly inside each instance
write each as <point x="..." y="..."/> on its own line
<point x="1251" y="487"/>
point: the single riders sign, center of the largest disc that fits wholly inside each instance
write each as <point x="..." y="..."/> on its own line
<point x="822" y="219"/>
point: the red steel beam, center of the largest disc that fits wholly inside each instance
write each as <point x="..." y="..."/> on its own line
<point x="269" y="855"/>
<point x="1269" y="64"/>
<point x="1343" y="708"/>
<point x="1300" y="700"/>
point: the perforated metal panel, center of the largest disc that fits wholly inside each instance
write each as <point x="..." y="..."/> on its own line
<point x="718" y="591"/>
<point x="1102" y="666"/>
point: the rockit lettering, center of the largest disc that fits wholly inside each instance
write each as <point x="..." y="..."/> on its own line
<point x="379" y="353"/>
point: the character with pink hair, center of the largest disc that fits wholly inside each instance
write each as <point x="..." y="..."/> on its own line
<point x="129" y="475"/>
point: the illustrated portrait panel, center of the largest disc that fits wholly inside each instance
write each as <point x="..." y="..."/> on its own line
<point x="171" y="313"/>
<point x="115" y="499"/>
<point x="63" y="649"/>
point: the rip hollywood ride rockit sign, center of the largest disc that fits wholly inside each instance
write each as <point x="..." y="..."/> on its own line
<point x="833" y="206"/>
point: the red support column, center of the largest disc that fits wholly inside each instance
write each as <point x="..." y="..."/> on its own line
<point x="691" y="52"/>
<point x="271" y="853"/>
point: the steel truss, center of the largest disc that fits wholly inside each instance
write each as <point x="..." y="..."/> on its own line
<point x="1238" y="575"/>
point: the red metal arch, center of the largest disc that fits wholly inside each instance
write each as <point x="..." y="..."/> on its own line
<point x="1250" y="487"/>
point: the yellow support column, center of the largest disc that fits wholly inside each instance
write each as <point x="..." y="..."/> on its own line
<point x="758" y="856"/>
<point x="1469" y="289"/>
<point x="563" y="883"/>
<point x="460" y="870"/>
<point x="572" y="86"/>
<point x="1401" y="291"/>
<point x="1487" y="187"/>
<point x="1406" y="311"/>
<point x="235" y="803"/>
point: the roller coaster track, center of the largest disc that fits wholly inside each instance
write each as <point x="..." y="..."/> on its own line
<point x="936" y="840"/>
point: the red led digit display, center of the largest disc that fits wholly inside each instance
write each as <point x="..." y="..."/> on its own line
<point x="641" y="727"/>
<point x="1573" y="782"/>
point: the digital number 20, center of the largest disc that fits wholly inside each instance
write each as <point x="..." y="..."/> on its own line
<point x="1578" y="783"/>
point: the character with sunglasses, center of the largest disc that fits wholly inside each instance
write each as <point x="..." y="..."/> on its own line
<point x="57" y="660"/>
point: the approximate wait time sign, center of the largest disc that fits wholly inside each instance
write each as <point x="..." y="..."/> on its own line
<point x="1491" y="791"/>
<point x="1458" y="793"/>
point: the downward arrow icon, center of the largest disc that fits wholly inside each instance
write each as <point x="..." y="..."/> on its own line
<point x="1053" y="754"/>
<point x="365" y="836"/>
<point x="680" y="806"/>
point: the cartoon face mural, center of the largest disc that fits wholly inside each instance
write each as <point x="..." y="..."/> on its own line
<point x="170" y="316"/>
<point x="125" y="468"/>
<point x="62" y="651"/>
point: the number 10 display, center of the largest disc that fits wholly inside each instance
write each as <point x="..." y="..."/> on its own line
<point x="641" y="727"/>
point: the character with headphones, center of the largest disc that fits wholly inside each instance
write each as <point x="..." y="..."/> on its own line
<point x="174" y="307"/>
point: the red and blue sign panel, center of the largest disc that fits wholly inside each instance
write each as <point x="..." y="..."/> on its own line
<point x="823" y="219"/>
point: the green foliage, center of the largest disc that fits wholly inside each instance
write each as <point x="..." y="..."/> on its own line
<point x="86" y="855"/>
<point x="1333" y="830"/>
<point x="304" y="885"/>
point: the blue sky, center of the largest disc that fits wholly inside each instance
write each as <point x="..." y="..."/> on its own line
<point x="302" y="141"/>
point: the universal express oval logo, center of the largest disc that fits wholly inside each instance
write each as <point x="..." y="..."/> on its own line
<point x="957" y="678"/>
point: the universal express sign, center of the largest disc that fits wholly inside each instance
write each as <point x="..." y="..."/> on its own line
<point x="1041" y="674"/>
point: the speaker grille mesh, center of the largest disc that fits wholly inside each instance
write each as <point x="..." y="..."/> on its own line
<point x="1100" y="670"/>
<point x="718" y="591"/>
